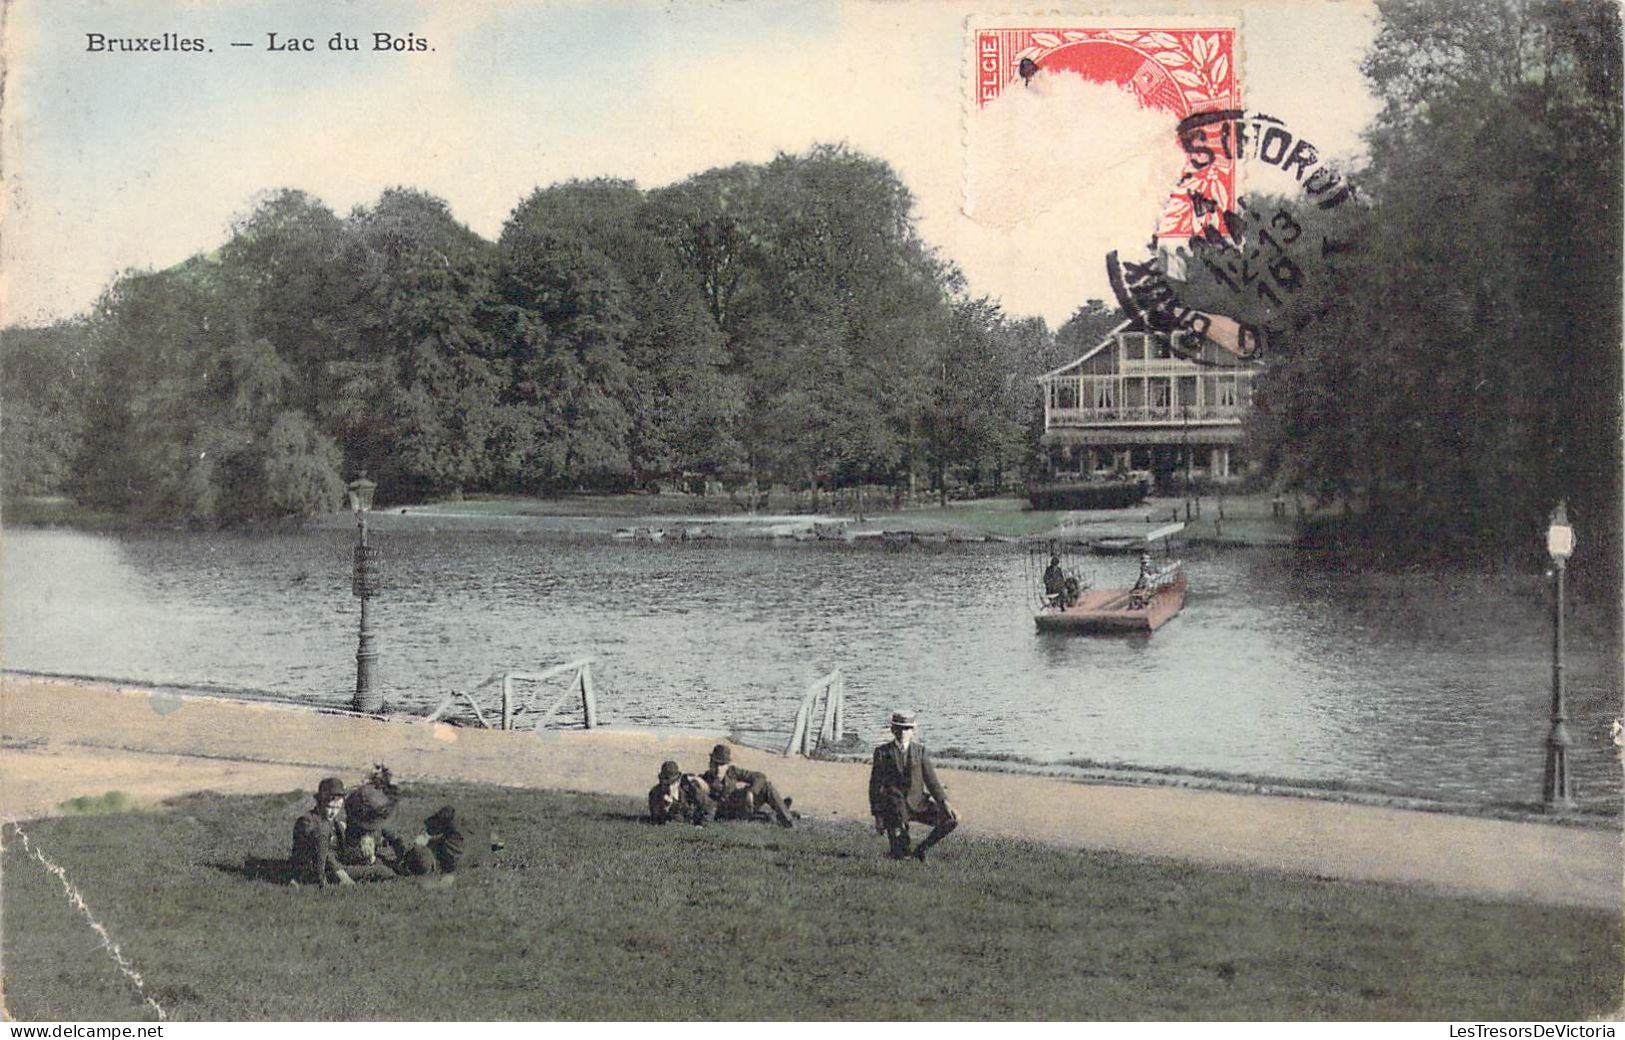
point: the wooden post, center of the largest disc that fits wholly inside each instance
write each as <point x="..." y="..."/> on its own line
<point x="507" y="701"/>
<point x="808" y="737"/>
<point x="589" y="705"/>
<point x="445" y="706"/>
<point x="826" y="731"/>
<point x="839" y="693"/>
<point x="799" y="733"/>
<point x="479" y="716"/>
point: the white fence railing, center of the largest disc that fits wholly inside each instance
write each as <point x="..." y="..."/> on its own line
<point x="832" y="729"/>
<point x="520" y="694"/>
<point x="1143" y="414"/>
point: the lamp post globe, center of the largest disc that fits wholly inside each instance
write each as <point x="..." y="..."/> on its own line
<point x="360" y="493"/>
<point x="369" y="697"/>
<point x="1558" y="788"/>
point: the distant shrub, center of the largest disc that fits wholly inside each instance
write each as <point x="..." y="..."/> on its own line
<point x="97" y="805"/>
<point x="1115" y="494"/>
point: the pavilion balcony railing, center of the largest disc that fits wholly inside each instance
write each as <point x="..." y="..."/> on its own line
<point x="1145" y="414"/>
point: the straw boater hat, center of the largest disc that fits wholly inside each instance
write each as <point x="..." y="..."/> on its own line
<point x="722" y="755"/>
<point x="669" y="771"/>
<point x="902" y="720"/>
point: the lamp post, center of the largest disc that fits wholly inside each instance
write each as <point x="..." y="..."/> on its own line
<point x="1558" y="790"/>
<point x="363" y="583"/>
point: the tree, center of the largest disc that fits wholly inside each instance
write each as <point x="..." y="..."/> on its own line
<point x="189" y="416"/>
<point x="682" y="407"/>
<point x="566" y="322"/>
<point x="290" y="261"/>
<point x="426" y="353"/>
<point x="300" y="469"/>
<point x="45" y="380"/>
<point x="1460" y="369"/>
<point x="834" y="335"/>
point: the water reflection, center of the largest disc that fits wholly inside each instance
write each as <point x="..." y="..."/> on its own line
<point x="1431" y="683"/>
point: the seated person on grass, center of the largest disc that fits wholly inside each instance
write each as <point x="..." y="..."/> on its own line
<point x="438" y="848"/>
<point x="737" y="793"/>
<point x="370" y="842"/>
<point x="315" y="839"/>
<point x="441" y="848"/>
<point x="677" y="795"/>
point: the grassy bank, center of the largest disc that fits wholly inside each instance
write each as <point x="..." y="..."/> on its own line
<point x="57" y="511"/>
<point x="1247" y="519"/>
<point x="591" y="914"/>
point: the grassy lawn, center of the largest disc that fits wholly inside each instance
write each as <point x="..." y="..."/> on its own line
<point x="54" y="511"/>
<point x="591" y="914"/>
<point x="627" y="506"/>
<point x="1007" y="517"/>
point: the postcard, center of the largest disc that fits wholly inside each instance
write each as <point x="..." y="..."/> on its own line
<point x="534" y="510"/>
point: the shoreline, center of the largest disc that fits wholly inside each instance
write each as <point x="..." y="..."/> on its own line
<point x="685" y="518"/>
<point x="64" y="741"/>
<point x="1595" y="814"/>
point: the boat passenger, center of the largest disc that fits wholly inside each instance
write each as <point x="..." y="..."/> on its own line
<point x="1054" y="579"/>
<point x="1148" y="571"/>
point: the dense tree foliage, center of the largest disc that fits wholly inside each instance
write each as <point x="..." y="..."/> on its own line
<point x="1457" y="372"/>
<point x="45" y="385"/>
<point x="1448" y="368"/>
<point x="780" y="323"/>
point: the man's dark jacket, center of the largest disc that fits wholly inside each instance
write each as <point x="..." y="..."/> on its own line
<point x="906" y="773"/>
<point x="314" y="840"/>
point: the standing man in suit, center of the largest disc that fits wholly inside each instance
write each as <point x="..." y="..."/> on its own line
<point x="903" y="787"/>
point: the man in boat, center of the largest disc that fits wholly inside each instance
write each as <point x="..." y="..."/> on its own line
<point x="736" y="793"/>
<point x="1058" y="588"/>
<point x="1148" y="571"/>
<point x="903" y="787"/>
<point x="1055" y="581"/>
<point x="677" y="795"/>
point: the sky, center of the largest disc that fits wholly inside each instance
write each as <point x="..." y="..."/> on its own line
<point x="116" y="161"/>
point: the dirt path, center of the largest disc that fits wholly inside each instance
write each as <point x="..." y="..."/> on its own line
<point x="63" y="740"/>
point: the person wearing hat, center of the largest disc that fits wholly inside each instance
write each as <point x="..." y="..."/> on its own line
<point x="439" y="848"/>
<point x="1059" y="589"/>
<point x="1147" y="571"/>
<point x="736" y="793"/>
<point x="315" y="836"/>
<point x="369" y="838"/>
<point x="903" y="787"/>
<point x="1055" y="581"/>
<point x="677" y="795"/>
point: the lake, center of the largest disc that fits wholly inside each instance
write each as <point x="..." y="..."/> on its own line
<point x="1432" y="684"/>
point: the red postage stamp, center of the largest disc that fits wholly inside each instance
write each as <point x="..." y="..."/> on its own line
<point x="1180" y="71"/>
